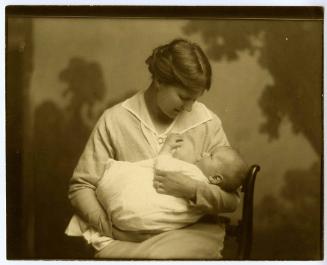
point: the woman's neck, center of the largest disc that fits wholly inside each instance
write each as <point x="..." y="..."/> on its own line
<point x="159" y="119"/>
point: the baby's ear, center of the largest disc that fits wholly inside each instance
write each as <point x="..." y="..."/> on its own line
<point x="217" y="179"/>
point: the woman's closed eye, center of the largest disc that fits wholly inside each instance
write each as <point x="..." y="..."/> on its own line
<point x="185" y="98"/>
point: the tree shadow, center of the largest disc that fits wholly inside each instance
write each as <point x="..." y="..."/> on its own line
<point x="288" y="227"/>
<point x="60" y="135"/>
<point x="292" y="52"/>
<point x="59" y="138"/>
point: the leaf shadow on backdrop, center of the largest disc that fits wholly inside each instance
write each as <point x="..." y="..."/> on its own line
<point x="288" y="226"/>
<point x="59" y="138"/>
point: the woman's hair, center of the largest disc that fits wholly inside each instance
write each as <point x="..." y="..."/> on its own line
<point x="180" y="63"/>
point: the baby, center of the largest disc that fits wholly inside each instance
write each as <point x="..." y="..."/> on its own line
<point x="126" y="190"/>
<point x="225" y="167"/>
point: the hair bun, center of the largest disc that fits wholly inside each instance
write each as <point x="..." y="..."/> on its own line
<point x="151" y="60"/>
<point x="180" y="63"/>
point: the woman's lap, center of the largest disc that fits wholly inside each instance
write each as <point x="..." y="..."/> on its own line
<point x="199" y="241"/>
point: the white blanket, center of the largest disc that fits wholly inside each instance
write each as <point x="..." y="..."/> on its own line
<point x="77" y="227"/>
<point x="126" y="192"/>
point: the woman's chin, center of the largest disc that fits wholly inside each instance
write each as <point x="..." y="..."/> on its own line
<point x="176" y="112"/>
<point x="173" y="115"/>
<point x="169" y="116"/>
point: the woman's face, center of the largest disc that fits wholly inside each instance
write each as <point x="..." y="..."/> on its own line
<point x="172" y="100"/>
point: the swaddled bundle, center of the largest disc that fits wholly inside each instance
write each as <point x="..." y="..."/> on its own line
<point x="126" y="192"/>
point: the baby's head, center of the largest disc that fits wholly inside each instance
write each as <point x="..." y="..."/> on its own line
<point x="225" y="167"/>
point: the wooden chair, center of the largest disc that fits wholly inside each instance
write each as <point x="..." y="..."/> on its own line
<point x="242" y="230"/>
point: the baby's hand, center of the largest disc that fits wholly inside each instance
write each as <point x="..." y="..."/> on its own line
<point x="174" y="139"/>
<point x="172" y="143"/>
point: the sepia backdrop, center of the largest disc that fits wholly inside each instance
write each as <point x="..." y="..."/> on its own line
<point x="267" y="89"/>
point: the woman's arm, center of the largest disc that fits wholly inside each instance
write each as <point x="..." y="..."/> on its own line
<point x="212" y="199"/>
<point x="90" y="168"/>
<point x="207" y="197"/>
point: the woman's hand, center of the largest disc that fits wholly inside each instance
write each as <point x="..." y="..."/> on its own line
<point x="175" y="184"/>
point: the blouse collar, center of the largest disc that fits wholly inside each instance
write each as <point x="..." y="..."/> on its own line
<point x="182" y="123"/>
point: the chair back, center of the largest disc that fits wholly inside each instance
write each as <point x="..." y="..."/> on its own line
<point x="246" y="224"/>
<point x="242" y="230"/>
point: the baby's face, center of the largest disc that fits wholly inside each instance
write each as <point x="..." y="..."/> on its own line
<point x="208" y="164"/>
<point x="225" y="168"/>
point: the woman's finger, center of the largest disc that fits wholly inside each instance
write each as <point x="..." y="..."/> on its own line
<point x="156" y="184"/>
<point x="159" y="178"/>
<point x="161" y="190"/>
<point x="159" y="171"/>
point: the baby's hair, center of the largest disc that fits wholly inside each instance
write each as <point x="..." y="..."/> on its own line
<point x="180" y="63"/>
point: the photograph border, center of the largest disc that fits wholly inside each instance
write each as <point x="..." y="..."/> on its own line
<point x="145" y="11"/>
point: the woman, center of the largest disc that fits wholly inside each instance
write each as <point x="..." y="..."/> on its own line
<point x="135" y="130"/>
